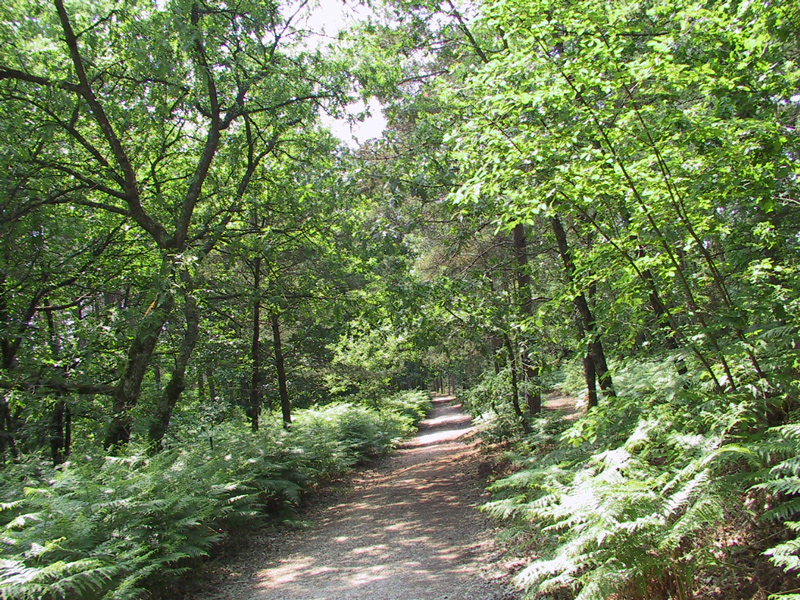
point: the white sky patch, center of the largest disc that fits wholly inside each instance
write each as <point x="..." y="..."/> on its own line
<point x="355" y="133"/>
<point x="326" y="18"/>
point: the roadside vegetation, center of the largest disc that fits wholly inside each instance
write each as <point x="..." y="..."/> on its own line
<point x="665" y="493"/>
<point x="591" y="195"/>
<point x="101" y="526"/>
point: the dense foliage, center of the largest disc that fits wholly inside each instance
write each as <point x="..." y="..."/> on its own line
<point x="611" y="190"/>
<point x="657" y="495"/>
<point x="106" y="526"/>
<point x="600" y="197"/>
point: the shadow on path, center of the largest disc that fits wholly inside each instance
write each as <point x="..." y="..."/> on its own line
<point x="408" y="531"/>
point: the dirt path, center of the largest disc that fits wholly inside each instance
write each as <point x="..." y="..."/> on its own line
<point x="406" y="530"/>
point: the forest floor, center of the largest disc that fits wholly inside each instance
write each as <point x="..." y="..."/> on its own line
<point x="406" y="528"/>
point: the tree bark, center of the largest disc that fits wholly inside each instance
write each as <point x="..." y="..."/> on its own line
<point x="201" y="385"/>
<point x="126" y="393"/>
<point x="494" y="346"/>
<point x="212" y="387"/>
<point x="59" y="449"/>
<point x="280" y="365"/>
<point x="512" y="363"/>
<point x="533" y="398"/>
<point x="598" y="369"/>
<point x="177" y="383"/>
<point x="58" y="446"/>
<point x="7" y="441"/>
<point x="255" y="349"/>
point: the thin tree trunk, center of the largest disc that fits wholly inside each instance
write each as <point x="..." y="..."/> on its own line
<point x="212" y="388"/>
<point x="533" y="397"/>
<point x="140" y="354"/>
<point x="7" y="441"/>
<point x="67" y="429"/>
<point x="57" y="441"/>
<point x="668" y="250"/>
<point x="590" y="375"/>
<point x="201" y="385"/>
<point x="494" y="346"/>
<point x="598" y="370"/>
<point x="59" y="449"/>
<point x="255" y="348"/>
<point x="177" y="382"/>
<point x="280" y="365"/>
<point x="7" y="362"/>
<point x="658" y="305"/>
<point x="157" y="376"/>
<point x="512" y="363"/>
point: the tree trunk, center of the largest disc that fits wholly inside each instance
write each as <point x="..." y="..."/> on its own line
<point x="201" y="385"/>
<point x="494" y="346"/>
<point x="7" y="441"/>
<point x="598" y="370"/>
<point x="67" y="429"/>
<point x="126" y="394"/>
<point x="512" y="363"/>
<point x="255" y="349"/>
<point x="212" y="388"/>
<point x="177" y="382"/>
<point x="533" y="397"/>
<point x="58" y="446"/>
<point x="286" y="407"/>
<point x="590" y="375"/>
<point x="662" y="315"/>
<point x="157" y="376"/>
<point x="660" y="309"/>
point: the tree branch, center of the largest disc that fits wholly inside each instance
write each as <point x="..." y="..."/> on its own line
<point x="153" y="227"/>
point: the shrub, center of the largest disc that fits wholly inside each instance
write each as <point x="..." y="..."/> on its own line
<point x="622" y="502"/>
<point x="780" y="479"/>
<point x="106" y="527"/>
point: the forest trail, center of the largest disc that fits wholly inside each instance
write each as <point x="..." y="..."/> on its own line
<point x="408" y="529"/>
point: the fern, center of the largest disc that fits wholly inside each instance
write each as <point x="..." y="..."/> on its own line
<point x="110" y="527"/>
<point x="782" y="480"/>
<point x="621" y="500"/>
<point x="59" y="579"/>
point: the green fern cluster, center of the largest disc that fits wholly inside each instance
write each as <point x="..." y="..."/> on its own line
<point x="620" y="502"/>
<point x="107" y="527"/>
<point x="781" y="481"/>
<point x="412" y="405"/>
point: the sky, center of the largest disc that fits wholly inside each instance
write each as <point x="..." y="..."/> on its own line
<point x="327" y="18"/>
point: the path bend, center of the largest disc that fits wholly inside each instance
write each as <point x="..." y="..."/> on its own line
<point x="408" y="529"/>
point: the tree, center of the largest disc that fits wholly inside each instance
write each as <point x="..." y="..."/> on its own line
<point x="151" y="124"/>
<point x="582" y="115"/>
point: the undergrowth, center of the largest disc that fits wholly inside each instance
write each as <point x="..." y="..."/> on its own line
<point x="101" y="527"/>
<point x="665" y="492"/>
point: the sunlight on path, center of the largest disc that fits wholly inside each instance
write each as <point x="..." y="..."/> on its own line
<point x="409" y="531"/>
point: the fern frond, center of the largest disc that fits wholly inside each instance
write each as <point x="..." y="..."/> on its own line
<point x="4" y="506"/>
<point x="677" y="502"/>
<point x="784" y="485"/>
<point x="785" y="555"/>
<point x="22" y="521"/>
<point x="784" y="510"/>
<point x="538" y="570"/>
<point x="789" y="466"/>
<point x="791" y="430"/>
<point x="592" y="591"/>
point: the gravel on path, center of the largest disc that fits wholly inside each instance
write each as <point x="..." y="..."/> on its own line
<point x="408" y="529"/>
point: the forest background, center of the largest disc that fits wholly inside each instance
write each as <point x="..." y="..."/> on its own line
<point x="208" y="303"/>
